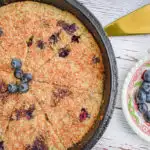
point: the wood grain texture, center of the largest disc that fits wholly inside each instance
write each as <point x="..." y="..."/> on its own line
<point x="128" y="50"/>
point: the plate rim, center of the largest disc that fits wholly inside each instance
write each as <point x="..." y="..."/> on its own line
<point x="124" y="104"/>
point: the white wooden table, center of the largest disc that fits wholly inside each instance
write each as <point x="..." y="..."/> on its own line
<point x="128" y="50"/>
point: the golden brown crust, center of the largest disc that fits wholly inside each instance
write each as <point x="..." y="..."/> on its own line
<point x="68" y="73"/>
<point x="23" y="128"/>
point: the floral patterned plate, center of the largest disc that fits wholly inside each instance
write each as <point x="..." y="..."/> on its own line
<point x="130" y="109"/>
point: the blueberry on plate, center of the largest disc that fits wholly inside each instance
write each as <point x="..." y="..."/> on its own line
<point x="12" y="88"/>
<point x="143" y="108"/>
<point x="18" y="73"/>
<point x="146" y="87"/>
<point x="26" y="77"/>
<point x="147" y="76"/>
<point x="54" y="38"/>
<point x="16" y="63"/>
<point x="147" y="116"/>
<point x="148" y="98"/>
<point x="23" y="87"/>
<point x="95" y="60"/>
<point x="141" y="97"/>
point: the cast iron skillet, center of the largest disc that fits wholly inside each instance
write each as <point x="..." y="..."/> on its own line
<point x="110" y="88"/>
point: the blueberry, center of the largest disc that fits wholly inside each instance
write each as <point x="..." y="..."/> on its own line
<point x="84" y="114"/>
<point x="23" y="87"/>
<point x="146" y="87"/>
<point x="72" y="28"/>
<point x="18" y="114"/>
<point x="148" y="98"/>
<point x="29" y="112"/>
<point x="12" y="88"/>
<point x="69" y="28"/>
<point x="16" y="63"/>
<point x="63" y="52"/>
<point x="29" y="115"/>
<point x="75" y="38"/>
<point x="143" y="108"/>
<point x="141" y="97"/>
<point x="26" y="77"/>
<point x="18" y="73"/>
<point x="1" y="32"/>
<point x="1" y="145"/>
<point x="147" y="116"/>
<point x="39" y="144"/>
<point x="147" y="76"/>
<point x="83" y="110"/>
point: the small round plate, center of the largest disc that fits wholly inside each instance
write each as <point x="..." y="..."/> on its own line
<point x="132" y="83"/>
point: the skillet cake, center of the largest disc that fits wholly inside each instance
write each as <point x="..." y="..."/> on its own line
<point x="65" y="94"/>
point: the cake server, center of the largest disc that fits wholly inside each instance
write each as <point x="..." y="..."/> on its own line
<point x="137" y="22"/>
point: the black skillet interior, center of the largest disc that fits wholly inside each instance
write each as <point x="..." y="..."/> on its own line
<point x="110" y="89"/>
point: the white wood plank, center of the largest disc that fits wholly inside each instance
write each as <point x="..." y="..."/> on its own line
<point x="128" y="50"/>
<point x="109" y="10"/>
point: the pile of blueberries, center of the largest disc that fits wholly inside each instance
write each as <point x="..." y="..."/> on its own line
<point x="143" y="96"/>
<point x="24" y="78"/>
